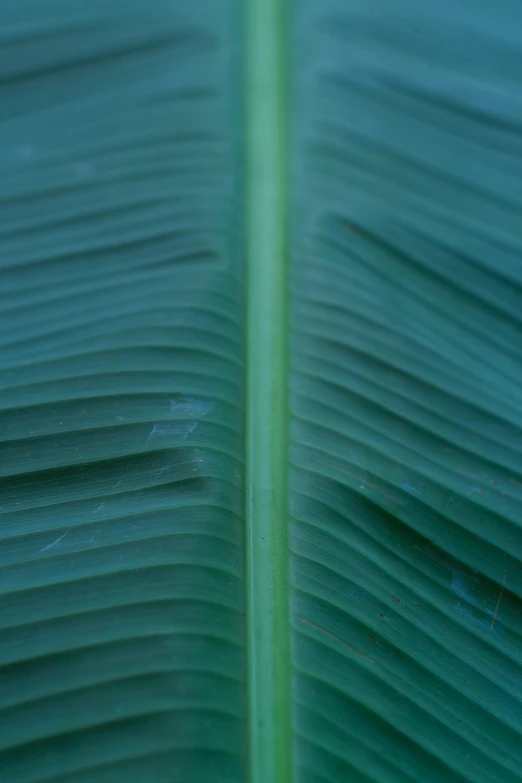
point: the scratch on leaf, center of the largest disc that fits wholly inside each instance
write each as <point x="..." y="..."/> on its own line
<point x="367" y="484"/>
<point x="53" y="544"/>
<point x="171" y="429"/>
<point x="498" y="602"/>
<point x="336" y="638"/>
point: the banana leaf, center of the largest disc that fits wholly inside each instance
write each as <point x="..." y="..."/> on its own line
<point x="260" y="391"/>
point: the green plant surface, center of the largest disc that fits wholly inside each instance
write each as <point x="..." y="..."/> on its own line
<point x="260" y="409"/>
<point x="266" y="401"/>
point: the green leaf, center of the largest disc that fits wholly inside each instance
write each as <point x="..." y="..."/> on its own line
<point x="260" y="372"/>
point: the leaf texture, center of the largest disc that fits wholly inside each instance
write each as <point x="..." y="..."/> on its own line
<point x="124" y="652"/>
<point x="122" y="606"/>
<point x="406" y="413"/>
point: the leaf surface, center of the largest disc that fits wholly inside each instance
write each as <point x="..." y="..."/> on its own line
<point x="260" y="371"/>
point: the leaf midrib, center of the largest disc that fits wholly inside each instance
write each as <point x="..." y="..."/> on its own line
<point x="266" y="393"/>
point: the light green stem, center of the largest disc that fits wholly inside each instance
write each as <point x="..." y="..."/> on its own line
<point x="266" y="421"/>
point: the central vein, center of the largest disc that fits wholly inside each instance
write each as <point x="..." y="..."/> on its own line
<point x="266" y="415"/>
